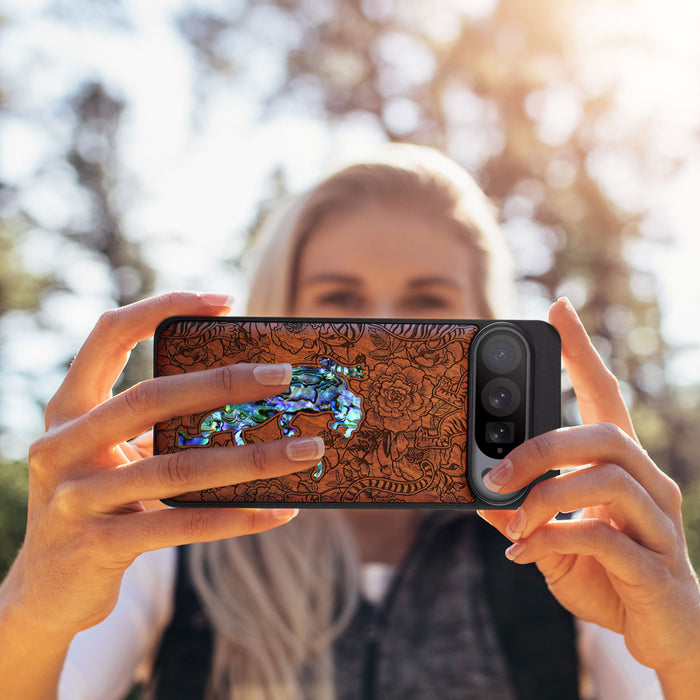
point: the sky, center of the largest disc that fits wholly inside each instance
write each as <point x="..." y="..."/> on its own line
<point x="190" y="185"/>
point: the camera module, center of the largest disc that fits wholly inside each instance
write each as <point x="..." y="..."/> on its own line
<point x="501" y="389"/>
<point x="505" y="401"/>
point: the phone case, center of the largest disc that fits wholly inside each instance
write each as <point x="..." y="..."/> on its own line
<point x="389" y="398"/>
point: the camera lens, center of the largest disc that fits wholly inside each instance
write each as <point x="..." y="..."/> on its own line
<point x="499" y="432"/>
<point x="500" y="396"/>
<point x="502" y="353"/>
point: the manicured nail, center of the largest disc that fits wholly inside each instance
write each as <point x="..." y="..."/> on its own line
<point x="274" y="375"/>
<point x="499" y="476"/>
<point x="515" y="550"/>
<point x="516" y="525"/>
<point x="218" y="300"/>
<point x="285" y="513"/>
<point x="569" y="306"/>
<point x="304" y="449"/>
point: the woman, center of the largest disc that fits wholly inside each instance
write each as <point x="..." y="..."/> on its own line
<point x="412" y="236"/>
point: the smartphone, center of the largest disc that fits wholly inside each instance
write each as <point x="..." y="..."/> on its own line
<point x="412" y="413"/>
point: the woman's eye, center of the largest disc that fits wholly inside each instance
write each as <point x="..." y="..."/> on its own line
<point x="341" y="300"/>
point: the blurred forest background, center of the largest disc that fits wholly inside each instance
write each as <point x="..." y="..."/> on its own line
<point x="580" y="119"/>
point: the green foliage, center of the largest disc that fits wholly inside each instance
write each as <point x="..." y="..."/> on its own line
<point x="18" y="289"/>
<point x="14" y="484"/>
<point x="94" y="157"/>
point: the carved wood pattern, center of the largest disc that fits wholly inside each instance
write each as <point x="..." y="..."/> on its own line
<point x="410" y="444"/>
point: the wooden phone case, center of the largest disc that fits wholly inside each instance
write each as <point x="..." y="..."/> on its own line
<point x="389" y="399"/>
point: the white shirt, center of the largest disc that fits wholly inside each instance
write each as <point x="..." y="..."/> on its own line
<point x="104" y="661"/>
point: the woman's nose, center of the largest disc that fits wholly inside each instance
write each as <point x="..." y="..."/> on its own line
<point x="382" y="308"/>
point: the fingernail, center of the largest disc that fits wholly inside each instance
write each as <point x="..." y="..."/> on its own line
<point x="303" y="449"/>
<point x="274" y="375"/>
<point x="515" y="550"/>
<point x="569" y="306"/>
<point x="517" y="525"/>
<point x="218" y="299"/>
<point x="285" y="513"/>
<point x="499" y="476"/>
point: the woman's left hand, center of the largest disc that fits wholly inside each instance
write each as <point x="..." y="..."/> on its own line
<point x="623" y="564"/>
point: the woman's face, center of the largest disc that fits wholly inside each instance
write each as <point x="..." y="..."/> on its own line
<point x="385" y="261"/>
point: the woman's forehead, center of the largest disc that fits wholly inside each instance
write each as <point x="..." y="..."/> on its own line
<point x="384" y="238"/>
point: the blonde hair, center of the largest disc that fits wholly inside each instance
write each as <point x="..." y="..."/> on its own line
<point x="277" y="600"/>
<point x="416" y="176"/>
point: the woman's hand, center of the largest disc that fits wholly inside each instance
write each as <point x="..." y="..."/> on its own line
<point x="624" y="564"/>
<point x="88" y="517"/>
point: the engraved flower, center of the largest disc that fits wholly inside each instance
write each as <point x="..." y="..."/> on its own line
<point x="199" y="345"/>
<point x="191" y="353"/>
<point x="238" y="339"/>
<point x="399" y="395"/>
<point x="294" y="336"/>
<point x="437" y="354"/>
<point x="252" y="345"/>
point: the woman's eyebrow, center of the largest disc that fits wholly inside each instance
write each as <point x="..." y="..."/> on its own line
<point x="433" y="281"/>
<point x="334" y="278"/>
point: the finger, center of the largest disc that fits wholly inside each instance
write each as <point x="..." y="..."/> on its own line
<point x="131" y="452"/>
<point x="138" y="448"/>
<point x="196" y="469"/>
<point x="596" y="388"/>
<point x="143" y="444"/>
<point x="141" y="532"/>
<point x="497" y="518"/>
<point x="614" y="550"/>
<point x="105" y="352"/>
<point x="605" y="486"/>
<point x="579" y="445"/>
<point x="155" y="400"/>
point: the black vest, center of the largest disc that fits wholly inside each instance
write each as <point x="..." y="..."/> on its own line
<point x="419" y="644"/>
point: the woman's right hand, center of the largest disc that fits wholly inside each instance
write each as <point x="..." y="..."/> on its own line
<point x="87" y="516"/>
